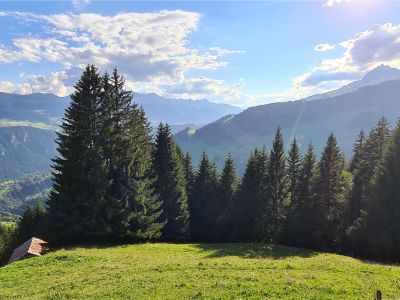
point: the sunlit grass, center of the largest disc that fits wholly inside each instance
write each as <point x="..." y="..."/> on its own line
<point x="168" y="271"/>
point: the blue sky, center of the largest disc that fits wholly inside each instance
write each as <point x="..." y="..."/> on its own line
<point x="240" y="52"/>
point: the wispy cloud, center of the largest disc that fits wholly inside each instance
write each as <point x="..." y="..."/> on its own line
<point x="149" y="48"/>
<point x="334" y="2"/>
<point x="323" y="47"/>
<point x="79" y="4"/>
<point x="153" y="53"/>
<point x="380" y="44"/>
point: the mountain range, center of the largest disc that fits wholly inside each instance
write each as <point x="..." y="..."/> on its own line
<point x="378" y="75"/>
<point x="27" y="122"/>
<point x="49" y="109"/>
<point x="345" y="112"/>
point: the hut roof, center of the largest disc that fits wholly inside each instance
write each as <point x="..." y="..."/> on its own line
<point x="32" y="247"/>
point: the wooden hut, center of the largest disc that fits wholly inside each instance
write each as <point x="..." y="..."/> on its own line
<point x="31" y="248"/>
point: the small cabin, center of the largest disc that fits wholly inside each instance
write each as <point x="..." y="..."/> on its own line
<point x="31" y="248"/>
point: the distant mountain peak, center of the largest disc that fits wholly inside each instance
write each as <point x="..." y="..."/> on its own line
<point x="378" y="75"/>
<point x="381" y="73"/>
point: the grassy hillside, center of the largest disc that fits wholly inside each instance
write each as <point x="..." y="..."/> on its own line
<point x="16" y="195"/>
<point x="167" y="271"/>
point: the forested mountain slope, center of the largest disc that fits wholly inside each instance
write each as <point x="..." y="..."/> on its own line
<point x="24" y="149"/>
<point x="308" y="121"/>
<point x="16" y="195"/>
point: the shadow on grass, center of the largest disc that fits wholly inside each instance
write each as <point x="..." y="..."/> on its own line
<point x="254" y="251"/>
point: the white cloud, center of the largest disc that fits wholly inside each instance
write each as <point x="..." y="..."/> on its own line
<point x="79" y="4"/>
<point x="51" y="83"/>
<point x="197" y="88"/>
<point x="222" y="52"/>
<point x="380" y="44"/>
<point x="323" y="47"/>
<point x="334" y="2"/>
<point x="10" y="87"/>
<point x="146" y="47"/>
<point x="153" y="53"/>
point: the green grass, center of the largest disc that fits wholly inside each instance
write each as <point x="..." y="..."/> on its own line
<point x="168" y="271"/>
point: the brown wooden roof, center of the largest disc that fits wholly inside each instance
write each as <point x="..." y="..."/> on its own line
<point x="32" y="247"/>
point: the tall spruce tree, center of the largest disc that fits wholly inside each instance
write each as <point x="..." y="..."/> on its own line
<point x="202" y="205"/>
<point x="103" y="185"/>
<point x="171" y="186"/>
<point x="357" y="195"/>
<point x="132" y="208"/>
<point x="227" y="189"/>
<point x="331" y="197"/>
<point x="373" y="152"/>
<point x="383" y="219"/>
<point x="189" y="174"/>
<point x="358" y="153"/>
<point x="368" y="155"/>
<point x="144" y="215"/>
<point x="293" y="171"/>
<point x="300" y="226"/>
<point x="80" y="173"/>
<point x="376" y="143"/>
<point x="250" y="209"/>
<point x="277" y="187"/>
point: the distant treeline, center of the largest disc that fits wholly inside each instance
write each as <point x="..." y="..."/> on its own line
<point x="114" y="183"/>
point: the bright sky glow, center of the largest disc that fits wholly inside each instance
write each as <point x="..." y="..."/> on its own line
<point x="243" y="53"/>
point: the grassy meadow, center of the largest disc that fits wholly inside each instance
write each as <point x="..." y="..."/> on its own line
<point x="191" y="271"/>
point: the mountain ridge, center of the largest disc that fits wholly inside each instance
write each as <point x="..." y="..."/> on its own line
<point x="49" y="108"/>
<point x="378" y="75"/>
<point x="25" y="149"/>
<point x="309" y="121"/>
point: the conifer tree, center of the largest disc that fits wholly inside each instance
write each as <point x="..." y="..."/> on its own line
<point x="368" y="155"/>
<point x="131" y="209"/>
<point x="79" y="170"/>
<point x="202" y="205"/>
<point x="373" y="152"/>
<point x="31" y="224"/>
<point x="277" y="187"/>
<point x="293" y="171"/>
<point x="171" y="185"/>
<point x="250" y="210"/>
<point x="358" y="153"/>
<point x="376" y="144"/>
<point x="103" y="177"/>
<point x="382" y="221"/>
<point x="331" y="196"/>
<point x="143" y="219"/>
<point x="360" y="182"/>
<point x="300" y="226"/>
<point x="189" y="174"/>
<point x="227" y="189"/>
<point x="109" y="210"/>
